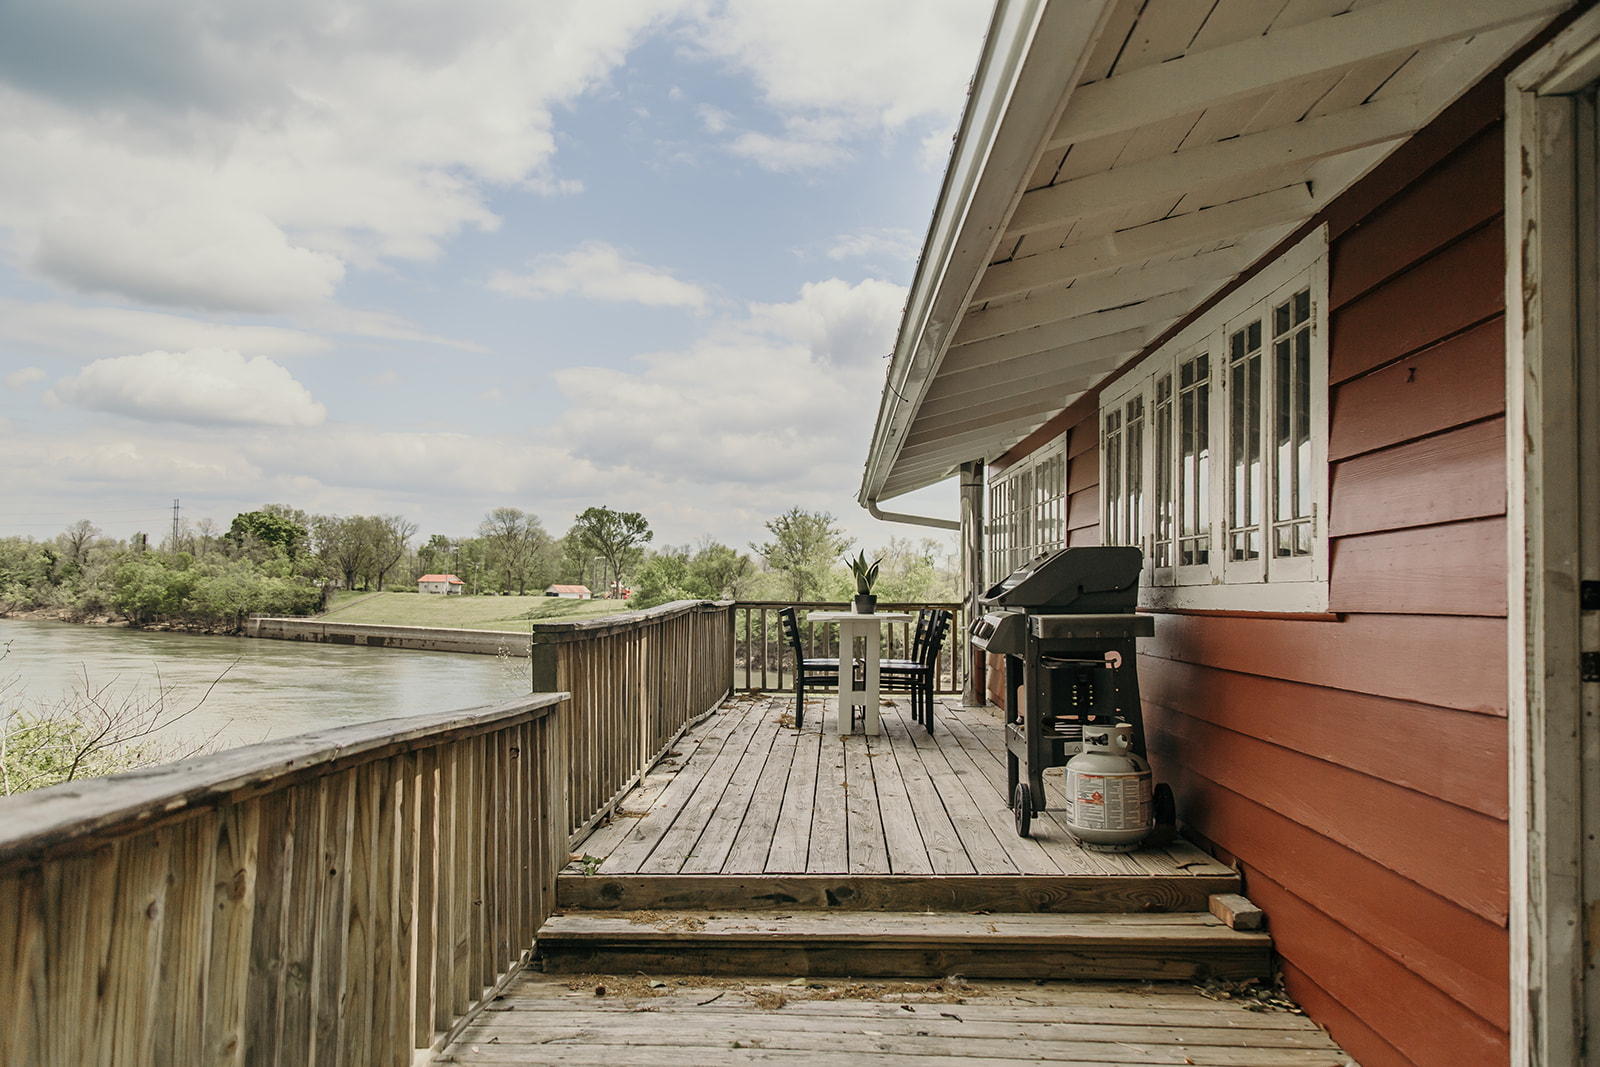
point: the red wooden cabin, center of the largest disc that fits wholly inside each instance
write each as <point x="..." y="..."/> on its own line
<point x="1244" y="283"/>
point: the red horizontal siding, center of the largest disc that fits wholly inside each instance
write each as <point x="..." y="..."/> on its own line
<point x="1423" y="1025"/>
<point x="1460" y="855"/>
<point x="1444" y="204"/>
<point x="1449" y="662"/>
<point x="1457" y="569"/>
<point x="1459" y="287"/>
<point x="1466" y="471"/>
<point x="1448" y="947"/>
<point x="1430" y="750"/>
<point x="1460" y="380"/>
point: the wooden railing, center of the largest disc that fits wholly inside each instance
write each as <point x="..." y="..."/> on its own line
<point x="343" y="897"/>
<point x="766" y="663"/>
<point x="637" y="682"/>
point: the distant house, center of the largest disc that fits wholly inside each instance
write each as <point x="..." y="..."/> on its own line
<point x="571" y="592"/>
<point x="447" y="584"/>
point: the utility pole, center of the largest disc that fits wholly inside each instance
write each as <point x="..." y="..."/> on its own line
<point x="174" y="524"/>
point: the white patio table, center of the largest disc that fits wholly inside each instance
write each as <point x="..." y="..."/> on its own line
<point x="865" y="629"/>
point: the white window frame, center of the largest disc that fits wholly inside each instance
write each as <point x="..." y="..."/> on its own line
<point x="1269" y="582"/>
<point x="1045" y="510"/>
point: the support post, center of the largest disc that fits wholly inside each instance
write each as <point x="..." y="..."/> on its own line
<point x="972" y="684"/>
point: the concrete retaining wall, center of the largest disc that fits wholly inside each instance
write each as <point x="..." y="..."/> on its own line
<point x="428" y="638"/>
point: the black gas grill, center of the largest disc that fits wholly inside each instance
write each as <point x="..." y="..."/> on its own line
<point x="1065" y="625"/>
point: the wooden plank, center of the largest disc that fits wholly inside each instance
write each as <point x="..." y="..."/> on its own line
<point x="185" y="937"/>
<point x="678" y="842"/>
<point x="1457" y="381"/>
<point x="978" y="813"/>
<point x="791" y="838"/>
<point x="754" y="840"/>
<point x="1083" y="509"/>
<point x="903" y="840"/>
<point x="300" y="912"/>
<point x="1460" y="856"/>
<point x="1443" y="660"/>
<point x="1456" y="569"/>
<point x="1421" y="1023"/>
<point x="1445" y="294"/>
<point x="269" y="927"/>
<point x="424" y="955"/>
<point x="1440" y="943"/>
<point x="868" y="851"/>
<point x="1462" y="193"/>
<point x="128" y="1018"/>
<point x="1430" y="750"/>
<point x="647" y="833"/>
<point x="355" y="1010"/>
<point x="942" y="844"/>
<point x="1237" y="911"/>
<point x="723" y="823"/>
<point x="829" y="850"/>
<point x="332" y="914"/>
<point x="1145" y="894"/>
<point x="235" y="848"/>
<point x="1441" y="479"/>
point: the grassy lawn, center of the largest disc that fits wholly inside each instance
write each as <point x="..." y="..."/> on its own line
<point x="462" y="612"/>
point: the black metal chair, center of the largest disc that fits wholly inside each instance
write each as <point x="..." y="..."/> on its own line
<point x="812" y="672"/>
<point x="918" y="674"/>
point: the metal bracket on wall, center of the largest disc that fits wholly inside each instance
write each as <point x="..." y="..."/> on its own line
<point x="1589" y="667"/>
<point x="1589" y="596"/>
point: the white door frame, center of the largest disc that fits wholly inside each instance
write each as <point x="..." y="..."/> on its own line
<point x="1553" y="472"/>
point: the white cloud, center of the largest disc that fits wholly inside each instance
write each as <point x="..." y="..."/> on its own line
<point x="206" y="388"/>
<point x="273" y="145"/>
<point x="78" y="330"/>
<point x="865" y="244"/>
<point x="597" y="271"/>
<point x="840" y="69"/>
<point x="778" y="402"/>
<point x="19" y="380"/>
<point x="713" y="118"/>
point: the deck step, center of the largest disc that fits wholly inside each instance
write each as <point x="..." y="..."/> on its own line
<point x="903" y="944"/>
<point x="842" y="892"/>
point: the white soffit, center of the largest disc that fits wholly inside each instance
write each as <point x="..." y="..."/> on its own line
<point x="1118" y="163"/>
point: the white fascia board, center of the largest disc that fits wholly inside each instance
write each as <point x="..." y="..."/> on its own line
<point x="1032" y="58"/>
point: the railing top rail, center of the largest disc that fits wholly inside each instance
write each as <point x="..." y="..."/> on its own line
<point x="104" y="807"/>
<point x="810" y="605"/>
<point x="559" y="631"/>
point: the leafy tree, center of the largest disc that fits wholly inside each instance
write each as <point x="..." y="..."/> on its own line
<point x="663" y="578"/>
<point x="269" y="529"/>
<point x="391" y="535"/>
<point x="437" y="556"/>
<point x="803" y="547"/>
<point x="76" y="540"/>
<point x="616" y="536"/>
<point x="519" y="546"/>
<point x="719" y="571"/>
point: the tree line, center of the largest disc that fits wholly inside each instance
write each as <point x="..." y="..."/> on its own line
<point x="280" y="560"/>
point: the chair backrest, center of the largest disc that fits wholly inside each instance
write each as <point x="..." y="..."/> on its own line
<point x="791" y="633"/>
<point x="919" y="644"/>
<point x="936" y="632"/>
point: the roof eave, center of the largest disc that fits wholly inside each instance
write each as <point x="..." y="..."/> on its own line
<point x="1015" y="102"/>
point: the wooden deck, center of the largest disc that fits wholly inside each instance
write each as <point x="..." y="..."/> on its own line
<point x="547" y="1019"/>
<point x="747" y="794"/>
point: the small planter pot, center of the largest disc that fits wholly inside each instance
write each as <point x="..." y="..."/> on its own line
<point x="864" y="605"/>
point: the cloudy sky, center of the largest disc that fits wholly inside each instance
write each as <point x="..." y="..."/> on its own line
<point x="432" y="258"/>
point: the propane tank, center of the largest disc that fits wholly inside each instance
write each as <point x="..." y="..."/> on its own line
<point x="1108" y="791"/>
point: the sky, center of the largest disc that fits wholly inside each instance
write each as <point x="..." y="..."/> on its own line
<point x="435" y="258"/>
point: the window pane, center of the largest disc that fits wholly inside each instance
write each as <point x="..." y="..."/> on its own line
<point x="1113" y="461"/>
<point x="1245" y="432"/>
<point x="1133" y="472"/>
<point x="1291" y="419"/>
<point x="1165" y="503"/>
<point x="1194" y="474"/>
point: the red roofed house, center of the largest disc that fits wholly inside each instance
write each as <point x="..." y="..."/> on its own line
<point x="570" y="592"/>
<point x="447" y="584"/>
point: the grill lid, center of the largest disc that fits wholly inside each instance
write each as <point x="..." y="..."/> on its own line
<point x="1084" y="580"/>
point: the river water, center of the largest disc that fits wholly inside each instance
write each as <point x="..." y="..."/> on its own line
<point x="263" y="689"/>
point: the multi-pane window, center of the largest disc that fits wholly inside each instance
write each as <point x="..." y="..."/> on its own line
<point x="1246" y="384"/>
<point x="1027" y="511"/>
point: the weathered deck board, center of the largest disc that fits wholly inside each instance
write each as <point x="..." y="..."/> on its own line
<point x="752" y="795"/>
<point x="549" y="1020"/>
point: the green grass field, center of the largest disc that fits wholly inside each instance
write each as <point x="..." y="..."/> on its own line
<point x="463" y="612"/>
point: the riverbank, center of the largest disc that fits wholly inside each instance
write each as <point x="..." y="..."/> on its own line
<point x="421" y="638"/>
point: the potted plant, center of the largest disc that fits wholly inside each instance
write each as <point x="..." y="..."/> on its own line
<point x="865" y="574"/>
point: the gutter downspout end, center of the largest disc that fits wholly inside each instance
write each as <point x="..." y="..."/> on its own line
<point x="914" y="520"/>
